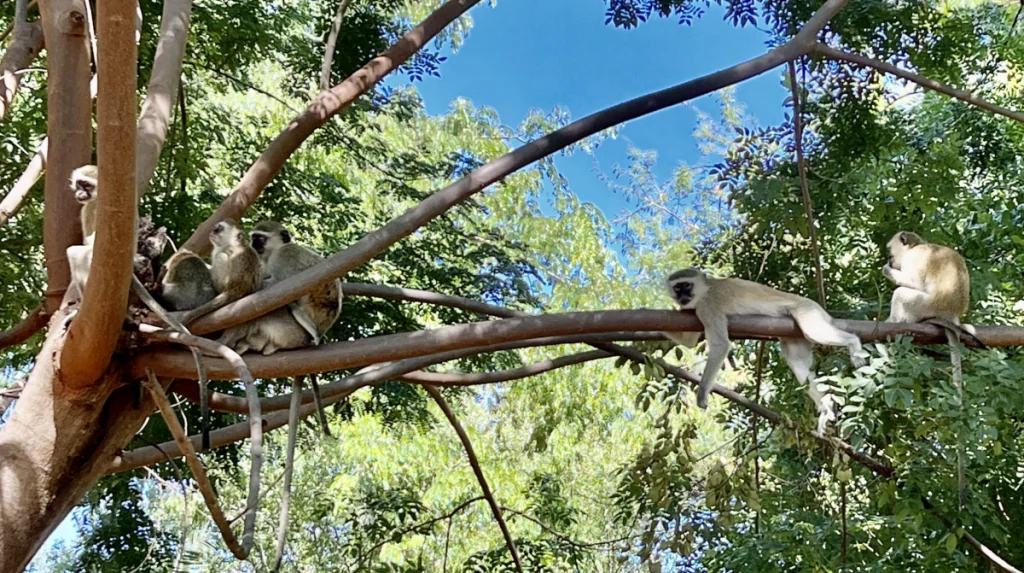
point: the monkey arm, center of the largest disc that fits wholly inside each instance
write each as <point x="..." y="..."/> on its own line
<point x="900" y="278"/>
<point x="218" y="301"/>
<point x="716" y="333"/>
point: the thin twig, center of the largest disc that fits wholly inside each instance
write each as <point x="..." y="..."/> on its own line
<point x="804" y="190"/>
<point x="255" y="418"/>
<point x="332" y="40"/>
<point x="562" y="536"/>
<point x="475" y="463"/>
<point x="964" y="96"/>
<point x="289" y="459"/>
<point x="244" y="84"/>
<point x="198" y="471"/>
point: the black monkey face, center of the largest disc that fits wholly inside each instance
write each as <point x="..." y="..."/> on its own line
<point x="85" y="190"/>
<point x="259" y="241"/>
<point x="682" y="292"/>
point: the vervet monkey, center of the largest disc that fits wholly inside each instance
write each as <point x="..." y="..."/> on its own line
<point x="186" y="283"/>
<point x="234" y="267"/>
<point x="84" y="184"/>
<point x="932" y="285"/>
<point x="316" y="311"/>
<point x="715" y="299"/>
<point x="276" y="330"/>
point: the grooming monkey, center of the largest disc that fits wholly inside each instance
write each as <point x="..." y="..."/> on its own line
<point x="715" y="299"/>
<point x="932" y="285"/>
<point x="318" y="310"/>
<point x="234" y="268"/>
<point x="186" y="283"/>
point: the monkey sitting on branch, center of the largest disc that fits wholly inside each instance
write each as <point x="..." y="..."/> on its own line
<point x="234" y="268"/>
<point x="715" y="299"/>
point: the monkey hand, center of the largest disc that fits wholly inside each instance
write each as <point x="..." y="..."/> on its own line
<point x="887" y="273"/>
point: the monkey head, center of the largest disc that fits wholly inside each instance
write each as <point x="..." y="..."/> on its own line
<point x="686" y="287"/>
<point x="227" y="233"/>
<point x="898" y="246"/>
<point x="83" y="183"/>
<point x="268" y="236"/>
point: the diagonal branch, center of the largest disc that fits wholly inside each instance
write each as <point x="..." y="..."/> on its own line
<point x="478" y="471"/>
<point x="254" y="424"/>
<point x="477" y="378"/>
<point x="155" y="116"/>
<point x="964" y="96"/>
<point x="198" y="471"/>
<point x="332" y="40"/>
<point x="28" y="326"/>
<point x="22" y="51"/>
<point x="326" y="105"/>
<point x="233" y="404"/>
<point x="798" y="143"/>
<point x="361" y="251"/>
<point x="419" y="526"/>
<point x="94" y="331"/>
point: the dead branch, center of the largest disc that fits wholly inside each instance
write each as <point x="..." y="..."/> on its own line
<point x="798" y="143"/>
<point x="254" y="424"/>
<point x="373" y="243"/>
<point x="28" y="326"/>
<point x="289" y="460"/>
<point x="964" y="96"/>
<point x="198" y="471"/>
<point x="455" y="379"/>
<point x="22" y="51"/>
<point x="155" y="116"/>
<point x="233" y="404"/>
<point x="69" y="136"/>
<point x="93" y="334"/>
<point x="350" y="354"/>
<point x="326" y="105"/>
<point x="332" y="40"/>
<point x="477" y="470"/>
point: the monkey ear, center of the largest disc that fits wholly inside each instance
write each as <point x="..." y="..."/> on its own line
<point x="286" y="236"/>
<point x="903" y="237"/>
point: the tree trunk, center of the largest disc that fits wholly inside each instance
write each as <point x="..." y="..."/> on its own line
<point x="55" y="446"/>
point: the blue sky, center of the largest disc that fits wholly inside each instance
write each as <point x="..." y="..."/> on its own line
<point x="525" y="54"/>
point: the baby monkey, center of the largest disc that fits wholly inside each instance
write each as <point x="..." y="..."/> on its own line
<point x="186" y="283"/>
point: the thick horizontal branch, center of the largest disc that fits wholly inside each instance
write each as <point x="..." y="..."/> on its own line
<point x="227" y="403"/>
<point x="372" y="244"/>
<point x="341" y="355"/>
<point x="28" y="326"/>
<point x="964" y="96"/>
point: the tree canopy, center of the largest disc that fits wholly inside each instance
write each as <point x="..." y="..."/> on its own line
<point x="596" y="462"/>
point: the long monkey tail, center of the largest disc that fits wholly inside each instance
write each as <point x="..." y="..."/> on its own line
<point x="960" y="330"/>
<point x="952" y="336"/>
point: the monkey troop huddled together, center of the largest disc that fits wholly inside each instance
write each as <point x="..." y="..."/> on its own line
<point x="932" y="285"/>
<point x="239" y="266"/>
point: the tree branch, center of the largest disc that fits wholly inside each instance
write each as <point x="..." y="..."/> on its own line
<point x="289" y="460"/>
<point x="255" y="422"/>
<point x="798" y="143"/>
<point x="198" y="471"/>
<point x="69" y="135"/>
<point x="478" y="471"/>
<point x="164" y="78"/>
<point x="476" y="378"/>
<point x="11" y="203"/>
<point x="22" y="51"/>
<point x="964" y="96"/>
<point x="350" y="354"/>
<point x="326" y="105"/>
<point x="94" y="331"/>
<point x="363" y="250"/>
<point x="28" y="326"/>
<point x="332" y="40"/>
